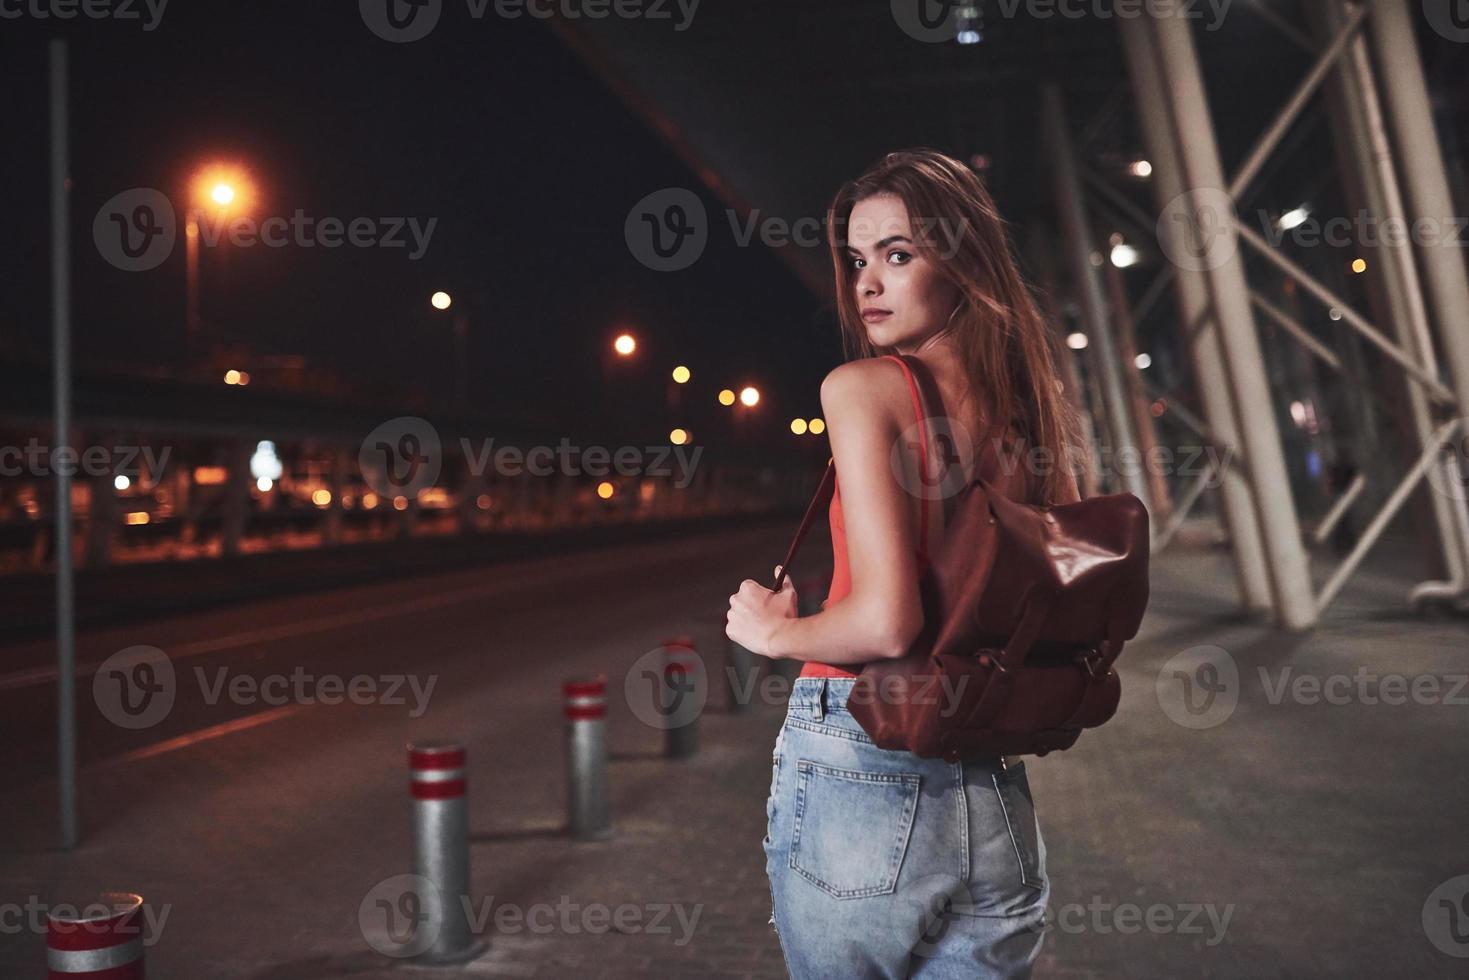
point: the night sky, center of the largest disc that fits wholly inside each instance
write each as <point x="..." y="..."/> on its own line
<point x="492" y="127"/>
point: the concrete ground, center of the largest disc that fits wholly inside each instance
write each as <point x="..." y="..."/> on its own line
<point x="1294" y="824"/>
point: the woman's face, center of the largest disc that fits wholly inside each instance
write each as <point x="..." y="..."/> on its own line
<point x="901" y="296"/>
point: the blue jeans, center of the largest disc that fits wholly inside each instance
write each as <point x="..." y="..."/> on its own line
<point x="886" y="865"/>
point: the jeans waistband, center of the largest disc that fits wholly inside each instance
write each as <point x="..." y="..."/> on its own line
<point x="815" y="697"/>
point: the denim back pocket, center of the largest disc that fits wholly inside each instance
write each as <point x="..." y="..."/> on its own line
<point x="852" y="827"/>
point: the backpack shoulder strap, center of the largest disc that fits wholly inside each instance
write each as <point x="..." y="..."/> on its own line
<point x="906" y="361"/>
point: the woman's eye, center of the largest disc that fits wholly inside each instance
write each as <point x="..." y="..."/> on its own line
<point x="854" y="262"/>
<point x="904" y="254"/>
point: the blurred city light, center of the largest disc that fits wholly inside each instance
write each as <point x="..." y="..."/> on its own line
<point x="726" y="397"/>
<point x="749" y="395"/>
<point x="798" y="426"/>
<point x="1076" y="340"/>
<point x="816" y="427"/>
<point x="681" y="374"/>
<point x="624" y="344"/>
<point x="678" y="436"/>
<point x="605" y="489"/>
<point x="441" y="300"/>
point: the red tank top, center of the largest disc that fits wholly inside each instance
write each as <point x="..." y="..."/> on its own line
<point x="841" y="574"/>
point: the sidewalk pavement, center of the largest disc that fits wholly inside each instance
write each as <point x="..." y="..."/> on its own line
<point x="1259" y="833"/>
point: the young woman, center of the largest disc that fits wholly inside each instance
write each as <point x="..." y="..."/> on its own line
<point x="881" y="863"/>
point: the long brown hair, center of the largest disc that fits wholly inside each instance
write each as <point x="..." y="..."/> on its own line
<point x="1007" y="348"/>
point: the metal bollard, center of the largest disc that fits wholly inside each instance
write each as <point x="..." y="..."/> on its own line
<point x="103" y="939"/>
<point x="739" y="671"/>
<point x="680" y="675"/>
<point x="441" y="848"/>
<point x="587" y="801"/>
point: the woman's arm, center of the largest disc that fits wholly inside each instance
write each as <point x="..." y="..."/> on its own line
<point x="863" y="402"/>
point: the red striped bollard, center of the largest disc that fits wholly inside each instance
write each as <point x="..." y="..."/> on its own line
<point x="680" y="702"/>
<point x="101" y="941"/>
<point x="587" y="801"/>
<point x="441" y="848"/>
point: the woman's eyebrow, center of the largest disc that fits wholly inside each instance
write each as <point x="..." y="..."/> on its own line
<point x="883" y="244"/>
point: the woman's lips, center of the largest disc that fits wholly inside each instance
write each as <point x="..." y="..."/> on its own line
<point x="871" y="316"/>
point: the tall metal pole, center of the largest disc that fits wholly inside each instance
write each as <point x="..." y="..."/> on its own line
<point x="1076" y="230"/>
<point x="1295" y="605"/>
<point x="1427" y="185"/>
<point x="1236" y="505"/>
<point x="1367" y="140"/>
<point x="66" y="724"/>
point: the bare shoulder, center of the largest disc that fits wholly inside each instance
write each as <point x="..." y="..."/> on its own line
<point x="870" y="386"/>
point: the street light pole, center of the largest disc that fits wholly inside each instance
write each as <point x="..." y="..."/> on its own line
<point x="66" y="723"/>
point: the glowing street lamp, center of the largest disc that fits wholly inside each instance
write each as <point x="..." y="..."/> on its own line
<point x="441" y="300"/>
<point x="625" y="344"/>
<point x="749" y="396"/>
<point x="219" y="189"/>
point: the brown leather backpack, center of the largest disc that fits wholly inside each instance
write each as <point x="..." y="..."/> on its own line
<point x="1026" y="608"/>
